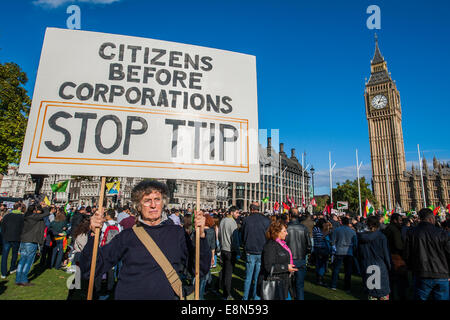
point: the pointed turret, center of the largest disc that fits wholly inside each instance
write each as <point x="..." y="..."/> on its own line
<point x="435" y="163"/>
<point x="424" y="164"/>
<point x="378" y="67"/>
<point x="377" y="57"/>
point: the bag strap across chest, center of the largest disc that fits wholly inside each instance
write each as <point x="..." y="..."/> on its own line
<point x="161" y="259"/>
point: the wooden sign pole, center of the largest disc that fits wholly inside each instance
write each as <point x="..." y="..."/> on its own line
<point x="96" y="239"/>
<point x="197" y="249"/>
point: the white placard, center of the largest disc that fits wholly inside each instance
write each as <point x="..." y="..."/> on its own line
<point x="112" y="105"/>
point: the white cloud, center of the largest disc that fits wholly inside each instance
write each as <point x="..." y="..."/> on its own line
<point x="322" y="177"/>
<point x="57" y="3"/>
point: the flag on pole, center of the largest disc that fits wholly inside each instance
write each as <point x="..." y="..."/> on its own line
<point x="60" y="186"/>
<point x="293" y="202"/>
<point x="313" y="202"/>
<point x="113" y="187"/>
<point x="288" y="200"/>
<point x="276" y="206"/>
<point x="285" y="206"/>
<point x="386" y="216"/>
<point x="330" y="207"/>
<point x="265" y="200"/>
<point x="303" y="202"/>
<point x="436" y="210"/>
<point x="368" y="209"/>
<point x="47" y="202"/>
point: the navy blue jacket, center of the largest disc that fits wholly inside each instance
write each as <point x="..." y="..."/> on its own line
<point x="373" y="251"/>
<point x="141" y="277"/>
<point x="253" y="233"/>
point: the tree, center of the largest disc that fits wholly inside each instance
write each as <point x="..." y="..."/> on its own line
<point x="348" y="191"/>
<point x="14" y="109"/>
<point x="321" y="201"/>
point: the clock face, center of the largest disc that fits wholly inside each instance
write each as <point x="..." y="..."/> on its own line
<point x="379" y="101"/>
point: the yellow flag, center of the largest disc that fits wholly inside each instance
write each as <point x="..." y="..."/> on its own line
<point x="47" y="202"/>
<point x="113" y="187"/>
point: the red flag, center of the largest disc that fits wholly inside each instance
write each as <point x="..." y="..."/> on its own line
<point x="292" y="202"/>
<point x="313" y="202"/>
<point x="285" y="206"/>
<point x="276" y="206"/>
<point x="436" y="210"/>
<point x="329" y="207"/>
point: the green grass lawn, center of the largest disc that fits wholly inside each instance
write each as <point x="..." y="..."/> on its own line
<point x="50" y="284"/>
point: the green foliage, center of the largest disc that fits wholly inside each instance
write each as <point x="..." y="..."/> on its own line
<point x="14" y="109"/>
<point x="321" y="201"/>
<point x="348" y="191"/>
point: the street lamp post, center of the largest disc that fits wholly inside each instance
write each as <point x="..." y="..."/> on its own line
<point x="312" y="179"/>
<point x="331" y="183"/>
<point x="281" y="180"/>
<point x="358" y="166"/>
<point x="303" y="183"/>
<point x="421" y="178"/>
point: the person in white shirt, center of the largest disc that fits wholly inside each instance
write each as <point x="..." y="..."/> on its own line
<point x="125" y="213"/>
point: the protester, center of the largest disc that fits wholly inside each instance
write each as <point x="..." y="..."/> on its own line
<point x="229" y="244"/>
<point x="276" y="258"/>
<point x="78" y="216"/>
<point x="123" y="214"/>
<point x="399" y="272"/>
<point x="49" y="241"/>
<point x="32" y="236"/>
<point x="299" y="241"/>
<point x="58" y="228"/>
<point x="308" y="222"/>
<point x="254" y="228"/>
<point x="427" y="255"/>
<point x="175" y="217"/>
<point x="322" y="248"/>
<point x="374" y="259"/>
<point x="80" y="238"/>
<point x="11" y="226"/>
<point x="110" y="229"/>
<point x="129" y="221"/>
<point x="141" y="277"/>
<point x="335" y="221"/>
<point x="210" y="234"/>
<point x="345" y="241"/>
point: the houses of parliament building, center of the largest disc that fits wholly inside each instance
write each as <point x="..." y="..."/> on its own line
<point x="393" y="185"/>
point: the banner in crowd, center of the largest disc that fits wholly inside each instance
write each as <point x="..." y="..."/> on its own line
<point x="116" y="105"/>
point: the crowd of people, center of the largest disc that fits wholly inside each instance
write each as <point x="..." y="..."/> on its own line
<point x="407" y="255"/>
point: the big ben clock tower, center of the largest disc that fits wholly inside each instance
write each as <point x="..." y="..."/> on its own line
<point x="384" y="117"/>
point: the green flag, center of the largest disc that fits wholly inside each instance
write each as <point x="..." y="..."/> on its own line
<point x="60" y="186"/>
<point x="265" y="200"/>
<point x="386" y="216"/>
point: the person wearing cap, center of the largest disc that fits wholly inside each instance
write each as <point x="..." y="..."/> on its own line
<point x="141" y="277"/>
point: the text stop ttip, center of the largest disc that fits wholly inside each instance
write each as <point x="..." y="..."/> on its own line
<point x="120" y="132"/>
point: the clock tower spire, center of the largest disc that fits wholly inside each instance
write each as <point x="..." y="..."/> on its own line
<point x="384" y="117"/>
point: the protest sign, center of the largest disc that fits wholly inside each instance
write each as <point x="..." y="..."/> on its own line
<point x="115" y="105"/>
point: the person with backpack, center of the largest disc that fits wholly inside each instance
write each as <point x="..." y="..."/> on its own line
<point x="110" y="229"/>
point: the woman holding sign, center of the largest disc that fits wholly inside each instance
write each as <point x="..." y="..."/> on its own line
<point x="153" y="252"/>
